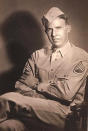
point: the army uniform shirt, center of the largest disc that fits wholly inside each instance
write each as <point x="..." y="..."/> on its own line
<point x="52" y="81"/>
<point x="60" y="75"/>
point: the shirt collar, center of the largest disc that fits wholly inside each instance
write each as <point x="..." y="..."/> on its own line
<point x="63" y="50"/>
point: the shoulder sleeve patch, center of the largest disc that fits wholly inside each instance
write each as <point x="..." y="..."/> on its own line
<point x="79" y="68"/>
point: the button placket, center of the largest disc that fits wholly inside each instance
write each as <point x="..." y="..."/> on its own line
<point x="51" y="74"/>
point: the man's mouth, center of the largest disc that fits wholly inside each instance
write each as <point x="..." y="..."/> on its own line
<point x="56" y="39"/>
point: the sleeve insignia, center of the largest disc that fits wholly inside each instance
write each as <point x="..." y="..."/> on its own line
<point x="79" y="68"/>
<point x="25" y="67"/>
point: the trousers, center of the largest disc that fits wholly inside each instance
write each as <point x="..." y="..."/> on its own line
<point x="20" y="113"/>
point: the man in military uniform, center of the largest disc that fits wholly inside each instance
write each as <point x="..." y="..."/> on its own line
<point x="53" y="80"/>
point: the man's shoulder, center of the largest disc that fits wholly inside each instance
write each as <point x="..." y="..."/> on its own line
<point x="79" y="59"/>
<point x="79" y="52"/>
<point x="38" y="53"/>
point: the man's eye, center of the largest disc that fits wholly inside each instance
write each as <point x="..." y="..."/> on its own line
<point x="49" y="29"/>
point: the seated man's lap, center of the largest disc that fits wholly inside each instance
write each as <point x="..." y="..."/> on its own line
<point x="46" y="111"/>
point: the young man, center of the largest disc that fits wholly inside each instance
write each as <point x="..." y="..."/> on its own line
<point x="53" y="80"/>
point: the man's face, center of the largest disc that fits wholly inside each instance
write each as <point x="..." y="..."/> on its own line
<point x="58" y="32"/>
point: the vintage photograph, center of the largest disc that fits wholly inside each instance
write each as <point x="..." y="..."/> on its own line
<point x="43" y="65"/>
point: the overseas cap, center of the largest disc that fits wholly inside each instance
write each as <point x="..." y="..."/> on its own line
<point x="52" y="14"/>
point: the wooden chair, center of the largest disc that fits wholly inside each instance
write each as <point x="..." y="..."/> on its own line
<point x="78" y="120"/>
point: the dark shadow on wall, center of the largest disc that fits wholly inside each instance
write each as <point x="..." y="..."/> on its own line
<point x="22" y="35"/>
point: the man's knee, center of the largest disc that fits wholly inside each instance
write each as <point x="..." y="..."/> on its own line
<point x="12" y="125"/>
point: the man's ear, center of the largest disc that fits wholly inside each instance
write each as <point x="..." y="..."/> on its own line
<point x="69" y="28"/>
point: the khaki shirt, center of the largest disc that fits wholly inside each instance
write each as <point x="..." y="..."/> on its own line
<point x="62" y="77"/>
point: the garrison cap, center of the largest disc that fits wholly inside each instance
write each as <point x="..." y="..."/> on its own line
<point x="52" y="14"/>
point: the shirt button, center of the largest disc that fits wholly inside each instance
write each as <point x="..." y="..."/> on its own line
<point x="64" y="75"/>
<point x="55" y="59"/>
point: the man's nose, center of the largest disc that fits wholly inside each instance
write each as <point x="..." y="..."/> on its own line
<point x="53" y="32"/>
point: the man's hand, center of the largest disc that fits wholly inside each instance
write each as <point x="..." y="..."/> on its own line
<point x="42" y="87"/>
<point x="33" y="81"/>
<point x="29" y="80"/>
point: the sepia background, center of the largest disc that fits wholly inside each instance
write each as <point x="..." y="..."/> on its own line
<point x="21" y="32"/>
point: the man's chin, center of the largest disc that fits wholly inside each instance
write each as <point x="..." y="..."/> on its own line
<point x="56" y="45"/>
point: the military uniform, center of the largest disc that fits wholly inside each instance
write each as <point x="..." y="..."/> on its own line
<point x="61" y="77"/>
<point x="50" y="84"/>
<point x="60" y="83"/>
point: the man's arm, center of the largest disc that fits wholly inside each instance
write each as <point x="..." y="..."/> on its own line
<point x="28" y="79"/>
<point x="67" y="87"/>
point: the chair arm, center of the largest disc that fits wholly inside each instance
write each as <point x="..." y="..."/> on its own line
<point x="79" y="111"/>
<point x="79" y="107"/>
